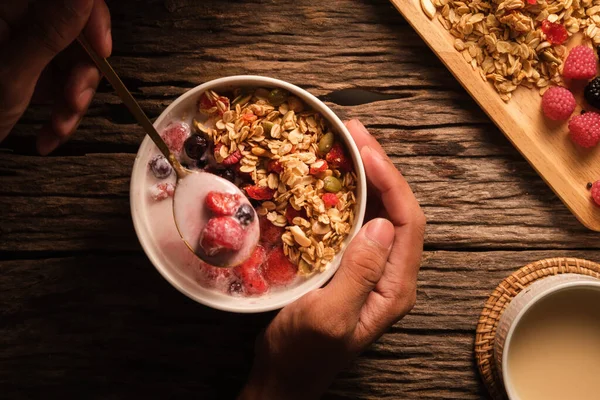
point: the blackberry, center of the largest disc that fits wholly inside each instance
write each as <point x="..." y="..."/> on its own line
<point x="592" y="93"/>
<point x="228" y="174"/>
<point x="245" y="214"/>
<point x="236" y="287"/>
<point x="160" y="167"/>
<point x="195" y="146"/>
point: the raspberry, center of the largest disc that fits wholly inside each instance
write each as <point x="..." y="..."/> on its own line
<point x="291" y="213"/>
<point x="233" y="158"/>
<point x="221" y="234"/>
<point x="210" y="276"/>
<point x="274" y="166"/>
<point x="558" y="103"/>
<point x="161" y="191"/>
<point x="278" y="269"/>
<point x="318" y="167"/>
<point x="259" y="192"/>
<point x="555" y="33"/>
<point x="592" y="93"/>
<point x="337" y="158"/>
<point x="330" y="199"/>
<point x="596" y="192"/>
<point x="174" y="136"/>
<point x="160" y="167"/>
<point x="222" y="203"/>
<point x="251" y="274"/>
<point x="270" y="235"/>
<point x="580" y="63"/>
<point x="585" y="129"/>
<point x="531" y="1"/>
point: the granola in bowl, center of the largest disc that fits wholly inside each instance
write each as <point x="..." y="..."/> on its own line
<point x="291" y="163"/>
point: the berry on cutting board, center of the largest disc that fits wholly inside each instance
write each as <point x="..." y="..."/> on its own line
<point x="592" y="93"/>
<point x="580" y="63"/>
<point x="221" y="234"/>
<point x="585" y="129"/>
<point x="596" y="192"/>
<point x="558" y="103"/>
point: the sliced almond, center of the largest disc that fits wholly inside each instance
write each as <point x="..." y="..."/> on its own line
<point x="299" y="236"/>
<point x="428" y="8"/>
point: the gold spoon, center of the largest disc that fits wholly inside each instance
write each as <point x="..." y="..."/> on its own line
<point x="192" y="186"/>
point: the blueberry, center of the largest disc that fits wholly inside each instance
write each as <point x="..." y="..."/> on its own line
<point x="202" y="162"/>
<point x="160" y="167"/>
<point x="195" y="146"/>
<point x="228" y="174"/>
<point x="236" y="287"/>
<point x="245" y="214"/>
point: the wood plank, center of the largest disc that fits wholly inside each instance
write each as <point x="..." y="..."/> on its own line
<point x="73" y="325"/>
<point x="469" y="204"/>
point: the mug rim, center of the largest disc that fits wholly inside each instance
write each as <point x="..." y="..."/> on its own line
<point x="585" y="282"/>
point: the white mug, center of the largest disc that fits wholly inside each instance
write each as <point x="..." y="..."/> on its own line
<point x="518" y="307"/>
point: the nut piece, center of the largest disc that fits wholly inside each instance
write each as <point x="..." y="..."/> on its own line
<point x="299" y="236"/>
<point x="428" y="8"/>
<point x="319" y="228"/>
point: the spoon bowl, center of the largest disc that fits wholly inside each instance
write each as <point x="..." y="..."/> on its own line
<point x="189" y="209"/>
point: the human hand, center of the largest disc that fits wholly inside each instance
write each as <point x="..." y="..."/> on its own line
<point x="312" y="339"/>
<point x="37" y="63"/>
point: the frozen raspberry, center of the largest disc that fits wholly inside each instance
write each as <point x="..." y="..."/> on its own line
<point x="212" y="276"/>
<point x="318" y="167"/>
<point x="160" y="167"/>
<point x="270" y="235"/>
<point x="175" y="135"/>
<point x="245" y="214"/>
<point x="250" y="272"/>
<point x="585" y="129"/>
<point x="278" y="270"/>
<point x="233" y="158"/>
<point x="274" y="166"/>
<point x="222" y="203"/>
<point x="161" y="191"/>
<point x="555" y="33"/>
<point x="221" y="234"/>
<point x="596" y="192"/>
<point x="337" y="158"/>
<point x="531" y="1"/>
<point x="259" y="192"/>
<point x="330" y="199"/>
<point x="558" y="103"/>
<point x="580" y="63"/>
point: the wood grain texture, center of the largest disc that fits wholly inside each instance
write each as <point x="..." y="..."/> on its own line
<point x="83" y="314"/>
<point x="564" y="166"/>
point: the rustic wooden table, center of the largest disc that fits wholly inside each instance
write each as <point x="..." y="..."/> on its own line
<point x="84" y="314"/>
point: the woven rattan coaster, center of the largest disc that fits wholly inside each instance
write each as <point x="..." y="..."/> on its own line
<point x="502" y="295"/>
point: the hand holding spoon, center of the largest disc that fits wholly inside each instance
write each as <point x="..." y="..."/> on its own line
<point x="189" y="210"/>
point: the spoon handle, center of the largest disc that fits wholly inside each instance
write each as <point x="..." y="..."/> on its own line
<point x="130" y="102"/>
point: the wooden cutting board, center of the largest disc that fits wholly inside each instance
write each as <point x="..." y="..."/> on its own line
<point x="565" y="167"/>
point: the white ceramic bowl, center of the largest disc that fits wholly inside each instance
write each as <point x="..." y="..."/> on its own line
<point x="519" y="306"/>
<point x="184" y="108"/>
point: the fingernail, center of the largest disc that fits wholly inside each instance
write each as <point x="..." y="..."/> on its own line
<point x="381" y="232"/>
<point x="368" y="151"/>
<point x="47" y="143"/>
<point x="85" y="98"/>
<point x="360" y="126"/>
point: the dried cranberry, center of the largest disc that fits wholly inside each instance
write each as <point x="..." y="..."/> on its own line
<point x="555" y="33"/>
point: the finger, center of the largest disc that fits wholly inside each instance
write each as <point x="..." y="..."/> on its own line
<point x="68" y="112"/>
<point x="98" y="29"/>
<point x="53" y="26"/>
<point x="360" y="269"/>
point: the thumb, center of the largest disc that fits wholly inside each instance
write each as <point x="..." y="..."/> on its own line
<point x="49" y="28"/>
<point x="362" y="266"/>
